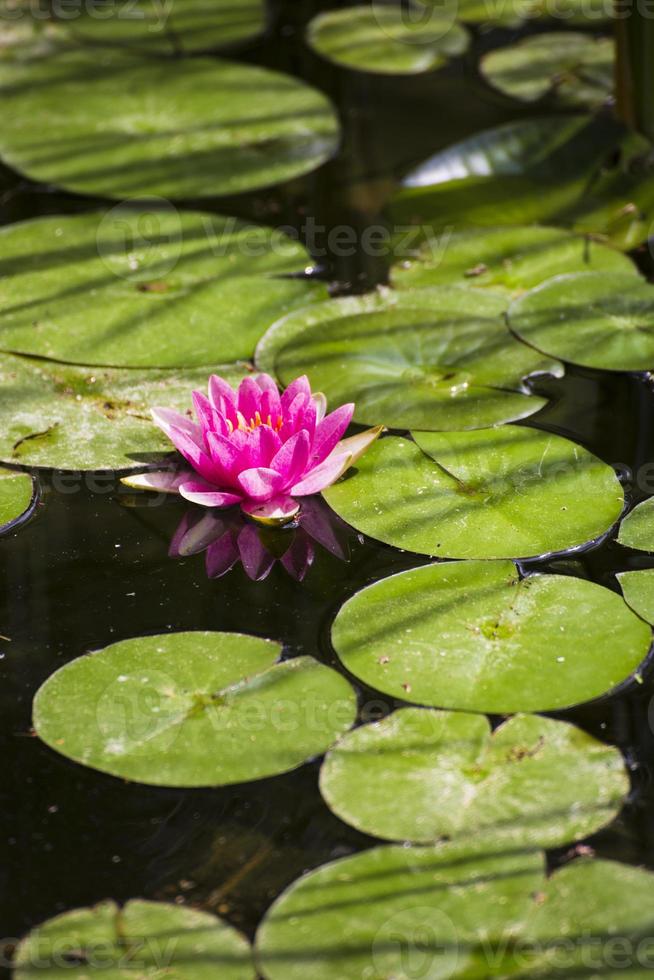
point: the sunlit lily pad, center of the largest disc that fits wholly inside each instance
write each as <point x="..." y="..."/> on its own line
<point x="141" y="939"/>
<point x="638" y="591"/>
<point x="419" y="775"/>
<point x="116" y="288"/>
<point x="437" y="358"/>
<point x="16" y="497"/>
<point x="105" y="122"/>
<point x="179" y="27"/>
<point x="468" y="911"/>
<point x="474" y="637"/>
<point x="571" y="68"/>
<point x="508" y="492"/>
<point x="510" y="259"/>
<point x="75" y="418"/>
<point x="637" y="528"/>
<point x="577" y="172"/>
<point x="193" y="709"/>
<point x="597" y="319"/>
<point x="386" y="39"/>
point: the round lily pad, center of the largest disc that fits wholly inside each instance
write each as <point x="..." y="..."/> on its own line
<point x="637" y="528"/>
<point x="420" y="775"/>
<point x="507" y="492"/>
<point x="572" y="68"/>
<point x="181" y="27"/>
<point x="510" y="259"/>
<point x="112" y="289"/>
<point x="140" y="939"/>
<point x="473" y="636"/>
<point x="437" y="358"/>
<point x="459" y="911"/>
<point x="74" y="418"/>
<point x="387" y="40"/>
<point x="198" y="128"/>
<point x="193" y="709"/>
<point x="638" y="591"/>
<point x="596" y="319"/>
<point x="17" y="497"/>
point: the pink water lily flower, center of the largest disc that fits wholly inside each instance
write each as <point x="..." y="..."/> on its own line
<point x="256" y="448"/>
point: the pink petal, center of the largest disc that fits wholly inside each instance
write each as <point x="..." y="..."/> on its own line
<point x="249" y="398"/>
<point x="266" y="383"/>
<point x="168" y="420"/>
<point x="277" y="511"/>
<point x="225" y="453"/>
<point x="256" y="560"/>
<point x="298" y="559"/>
<point x="259" y="447"/>
<point x="271" y="406"/>
<point x="199" y="492"/>
<point x="223" y="397"/>
<point x="260" y="483"/>
<point x="193" y="454"/>
<point x="321" y="523"/>
<point x="193" y="535"/>
<point x="221" y="556"/>
<point x="163" y="481"/>
<point x="300" y="386"/>
<point x="210" y="420"/>
<point x="293" y="415"/>
<point x="323" y="475"/>
<point x="329" y="431"/>
<point x="291" y="460"/>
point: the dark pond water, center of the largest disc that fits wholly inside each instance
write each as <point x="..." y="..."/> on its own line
<point x="93" y="567"/>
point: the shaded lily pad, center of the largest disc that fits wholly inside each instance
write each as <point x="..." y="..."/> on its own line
<point x="458" y="911"/>
<point x="510" y="259"/>
<point x="75" y="418"/>
<point x="638" y="591"/>
<point x="637" y="528"/>
<point x="429" y="359"/>
<point x="508" y="492"/>
<point x="577" y="172"/>
<point x="141" y="939"/>
<point x="573" y="69"/>
<point x="420" y="774"/>
<point x="597" y="319"/>
<point x="112" y="289"/>
<point x="386" y="39"/>
<point x="193" y="709"/>
<point x="183" y="26"/>
<point x="473" y="636"/>
<point x="16" y="497"/>
<point x="206" y="128"/>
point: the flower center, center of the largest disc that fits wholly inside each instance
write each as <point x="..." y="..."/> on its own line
<point x="254" y="423"/>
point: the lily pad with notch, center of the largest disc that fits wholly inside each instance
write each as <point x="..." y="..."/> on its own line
<point x="506" y="492"/>
<point x="420" y="775"/>
<point x="193" y="709"/>
<point x="112" y="289"/>
<point x="209" y="127"/>
<point x="600" y="320"/>
<point x="141" y="938"/>
<point x="385" y="39"/>
<point x="438" y="358"/>
<point x="474" y="636"/>
<point x="82" y="418"/>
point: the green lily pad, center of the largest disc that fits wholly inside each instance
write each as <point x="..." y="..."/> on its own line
<point x="16" y="497"/>
<point x="577" y="172"/>
<point x="597" y="319"/>
<point x="637" y="528"/>
<point x="200" y="128"/>
<point x="193" y="709"/>
<point x="420" y="775"/>
<point x="575" y="70"/>
<point x="507" y="492"/>
<point x="75" y="418"/>
<point x="510" y="259"/>
<point x="473" y="636"/>
<point x="429" y="359"/>
<point x="112" y="289"/>
<point x="459" y="911"/>
<point x="638" y="591"/>
<point x="385" y="39"/>
<point x="141" y="939"/>
<point x="182" y="27"/>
